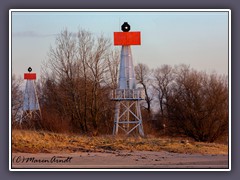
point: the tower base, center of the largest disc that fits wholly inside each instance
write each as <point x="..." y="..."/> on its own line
<point x="128" y="118"/>
<point x="30" y="119"/>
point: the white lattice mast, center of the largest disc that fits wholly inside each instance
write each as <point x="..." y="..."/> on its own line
<point x="31" y="109"/>
<point x="128" y="116"/>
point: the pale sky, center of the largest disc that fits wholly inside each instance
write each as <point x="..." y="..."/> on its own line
<point x="198" y="39"/>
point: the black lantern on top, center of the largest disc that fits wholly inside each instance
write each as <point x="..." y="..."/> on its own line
<point x="125" y="27"/>
<point x="29" y="69"/>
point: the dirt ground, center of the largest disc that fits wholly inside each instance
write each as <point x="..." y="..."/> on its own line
<point x="119" y="160"/>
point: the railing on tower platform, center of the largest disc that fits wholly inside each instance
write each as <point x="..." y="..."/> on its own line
<point x="127" y="94"/>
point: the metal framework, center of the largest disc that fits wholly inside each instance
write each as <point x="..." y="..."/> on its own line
<point x="128" y="116"/>
<point x="127" y="111"/>
<point x="31" y="108"/>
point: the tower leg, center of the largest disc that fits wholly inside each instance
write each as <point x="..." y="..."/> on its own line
<point x="37" y="101"/>
<point x="128" y="116"/>
<point x="116" y="118"/>
<point x="140" y="127"/>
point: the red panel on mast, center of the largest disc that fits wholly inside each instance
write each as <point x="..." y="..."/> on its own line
<point x="127" y="38"/>
<point x="30" y="76"/>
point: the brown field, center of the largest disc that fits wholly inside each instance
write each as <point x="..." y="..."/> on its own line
<point x="24" y="141"/>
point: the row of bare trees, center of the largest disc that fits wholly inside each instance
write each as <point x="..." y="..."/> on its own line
<point x="79" y="74"/>
<point x="189" y="102"/>
<point x="82" y="69"/>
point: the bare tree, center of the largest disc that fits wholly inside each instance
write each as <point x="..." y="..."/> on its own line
<point x="163" y="80"/>
<point x="143" y="76"/>
<point x="97" y="66"/>
<point x="77" y="65"/>
<point x="112" y="74"/>
<point x="17" y="98"/>
<point x="64" y="66"/>
<point x="198" y="105"/>
<point x="85" y="46"/>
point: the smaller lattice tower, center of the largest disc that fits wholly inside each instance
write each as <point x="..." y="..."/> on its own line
<point x="31" y="110"/>
<point x="128" y="116"/>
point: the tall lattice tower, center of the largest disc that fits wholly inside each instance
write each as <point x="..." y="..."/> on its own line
<point x="31" y="109"/>
<point x="128" y="116"/>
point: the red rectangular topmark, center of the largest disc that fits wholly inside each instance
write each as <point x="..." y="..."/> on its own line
<point x="127" y="38"/>
<point x="30" y="76"/>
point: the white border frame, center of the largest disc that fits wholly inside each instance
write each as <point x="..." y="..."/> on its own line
<point x="118" y="10"/>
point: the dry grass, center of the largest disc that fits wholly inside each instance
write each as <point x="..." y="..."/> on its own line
<point x="46" y="142"/>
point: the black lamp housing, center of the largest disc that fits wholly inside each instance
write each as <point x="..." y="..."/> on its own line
<point x="29" y="69"/>
<point x="126" y="27"/>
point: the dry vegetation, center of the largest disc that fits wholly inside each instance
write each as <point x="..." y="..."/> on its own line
<point x="46" y="142"/>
